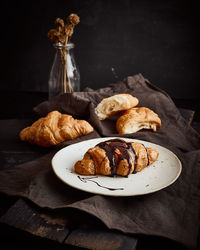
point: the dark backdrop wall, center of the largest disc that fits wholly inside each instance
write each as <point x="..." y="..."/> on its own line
<point x="114" y="39"/>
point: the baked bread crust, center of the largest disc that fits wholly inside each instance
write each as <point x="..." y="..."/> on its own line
<point x="135" y="119"/>
<point x="114" y="104"/>
<point x="127" y="157"/>
<point x="54" y="128"/>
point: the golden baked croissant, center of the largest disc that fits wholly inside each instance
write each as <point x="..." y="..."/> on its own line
<point x="116" y="157"/>
<point x="135" y="119"/>
<point x="114" y="104"/>
<point x="55" y="128"/>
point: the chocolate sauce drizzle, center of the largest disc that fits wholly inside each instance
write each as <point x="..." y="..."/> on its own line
<point x="85" y="179"/>
<point x="124" y="149"/>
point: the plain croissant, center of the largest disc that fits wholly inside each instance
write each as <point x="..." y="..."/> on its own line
<point x="135" y="119"/>
<point x="55" y="128"/>
<point x="116" y="157"/>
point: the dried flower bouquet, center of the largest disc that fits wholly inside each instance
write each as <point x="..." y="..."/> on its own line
<point x="61" y="35"/>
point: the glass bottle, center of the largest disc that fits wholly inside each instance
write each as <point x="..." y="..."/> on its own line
<point x="64" y="75"/>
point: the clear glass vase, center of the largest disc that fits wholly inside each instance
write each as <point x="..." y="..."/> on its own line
<point x="64" y="75"/>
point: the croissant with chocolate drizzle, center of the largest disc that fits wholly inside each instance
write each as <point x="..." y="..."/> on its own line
<point x="116" y="157"/>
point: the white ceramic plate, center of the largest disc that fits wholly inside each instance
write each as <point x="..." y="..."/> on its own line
<point x="157" y="176"/>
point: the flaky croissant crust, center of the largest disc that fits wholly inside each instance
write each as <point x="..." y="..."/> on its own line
<point x="54" y="129"/>
<point x="135" y="119"/>
<point x="126" y="158"/>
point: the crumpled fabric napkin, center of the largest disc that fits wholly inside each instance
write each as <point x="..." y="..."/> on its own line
<point x="173" y="212"/>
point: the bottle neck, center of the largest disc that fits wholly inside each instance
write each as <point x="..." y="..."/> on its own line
<point x="62" y="46"/>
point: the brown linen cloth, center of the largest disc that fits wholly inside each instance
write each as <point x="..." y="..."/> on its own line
<point x="173" y="212"/>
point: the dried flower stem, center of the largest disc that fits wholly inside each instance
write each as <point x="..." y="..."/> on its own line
<point x="65" y="70"/>
<point x="59" y="76"/>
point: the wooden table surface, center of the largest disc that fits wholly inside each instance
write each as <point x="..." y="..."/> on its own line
<point x="25" y="226"/>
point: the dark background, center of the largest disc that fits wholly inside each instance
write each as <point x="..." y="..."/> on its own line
<point x="114" y="39"/>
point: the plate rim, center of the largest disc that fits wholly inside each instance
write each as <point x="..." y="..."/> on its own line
<point x="114" y="194"/>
